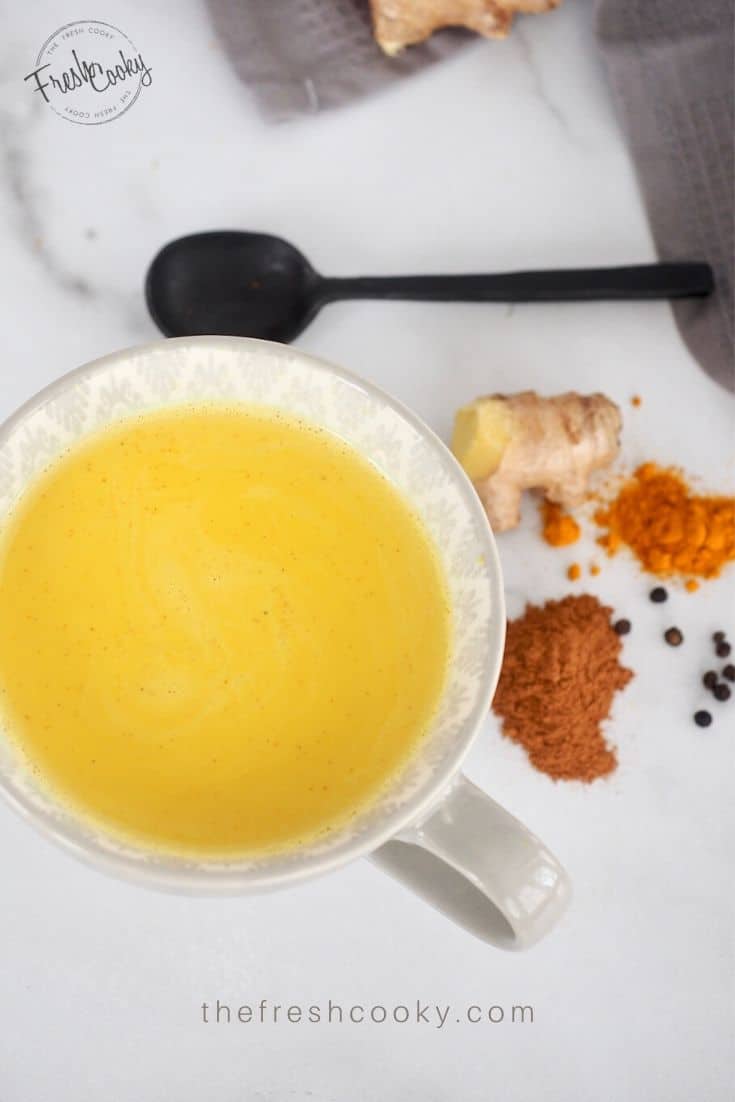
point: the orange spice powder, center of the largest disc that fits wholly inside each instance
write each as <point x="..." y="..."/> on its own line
<point x="669" y="529"/>
<point x="560" y="529"/>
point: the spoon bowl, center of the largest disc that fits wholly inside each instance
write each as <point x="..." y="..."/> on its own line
<point x="239" y="284"/>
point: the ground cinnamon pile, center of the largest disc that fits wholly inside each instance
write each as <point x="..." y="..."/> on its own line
<point x="560" y="674"/>
<point x="669" y="529"/>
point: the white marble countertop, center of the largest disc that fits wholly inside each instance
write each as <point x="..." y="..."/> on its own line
<point x="507" y="155"/>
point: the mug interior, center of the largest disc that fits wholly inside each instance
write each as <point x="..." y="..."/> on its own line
<point x="230" y="369"/>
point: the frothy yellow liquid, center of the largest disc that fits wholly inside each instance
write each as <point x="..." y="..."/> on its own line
<point x="221" y="630"/>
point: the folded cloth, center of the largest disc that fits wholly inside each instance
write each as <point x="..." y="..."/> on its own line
<point x="670" y="64"/>
<point x="300" y="56"/>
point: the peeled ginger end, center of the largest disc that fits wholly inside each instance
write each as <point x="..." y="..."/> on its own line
<point x="481" y="434"/>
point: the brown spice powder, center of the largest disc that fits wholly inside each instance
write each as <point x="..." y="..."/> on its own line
<point x="560" y="674"/>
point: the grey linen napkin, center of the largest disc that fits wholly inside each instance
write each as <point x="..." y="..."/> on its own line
<point x="670" y="64"/>
<point x="301" y="56"/>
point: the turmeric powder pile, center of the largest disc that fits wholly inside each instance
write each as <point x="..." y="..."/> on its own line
<point x="669" y="529"/>
<point x="560" y="529"/>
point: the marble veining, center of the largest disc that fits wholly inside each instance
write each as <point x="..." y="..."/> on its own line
<point x="26" y="203"/>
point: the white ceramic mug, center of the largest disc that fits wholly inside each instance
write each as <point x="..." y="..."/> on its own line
<point x="435" y="830"/>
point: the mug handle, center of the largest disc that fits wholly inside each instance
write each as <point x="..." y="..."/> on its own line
<point x="481" y="867"/>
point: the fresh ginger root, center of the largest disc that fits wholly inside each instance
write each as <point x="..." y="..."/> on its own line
<point x="516" y="442"/>
<point x="400" y="23"/>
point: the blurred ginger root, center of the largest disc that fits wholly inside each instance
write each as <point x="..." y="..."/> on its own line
<point x="515" y="442"/>
<point x="400" y="23"/>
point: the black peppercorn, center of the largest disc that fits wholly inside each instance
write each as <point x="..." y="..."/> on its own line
<point x="710" y="679"/>
<point x="658" y="595"/>
<point x="702" y="719"/>
<point x="729" y="672"/>
<point x="621" y="627"/>
<point x="722" y="650"/>
<point x="718" y="637"/>
<point x="721" y="691"/>
<point x="673" y="637"/>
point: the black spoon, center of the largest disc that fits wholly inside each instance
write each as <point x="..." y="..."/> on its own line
<point x="257" y="285"/>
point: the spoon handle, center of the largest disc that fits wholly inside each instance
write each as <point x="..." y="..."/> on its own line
<point x="642" y="281"/>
